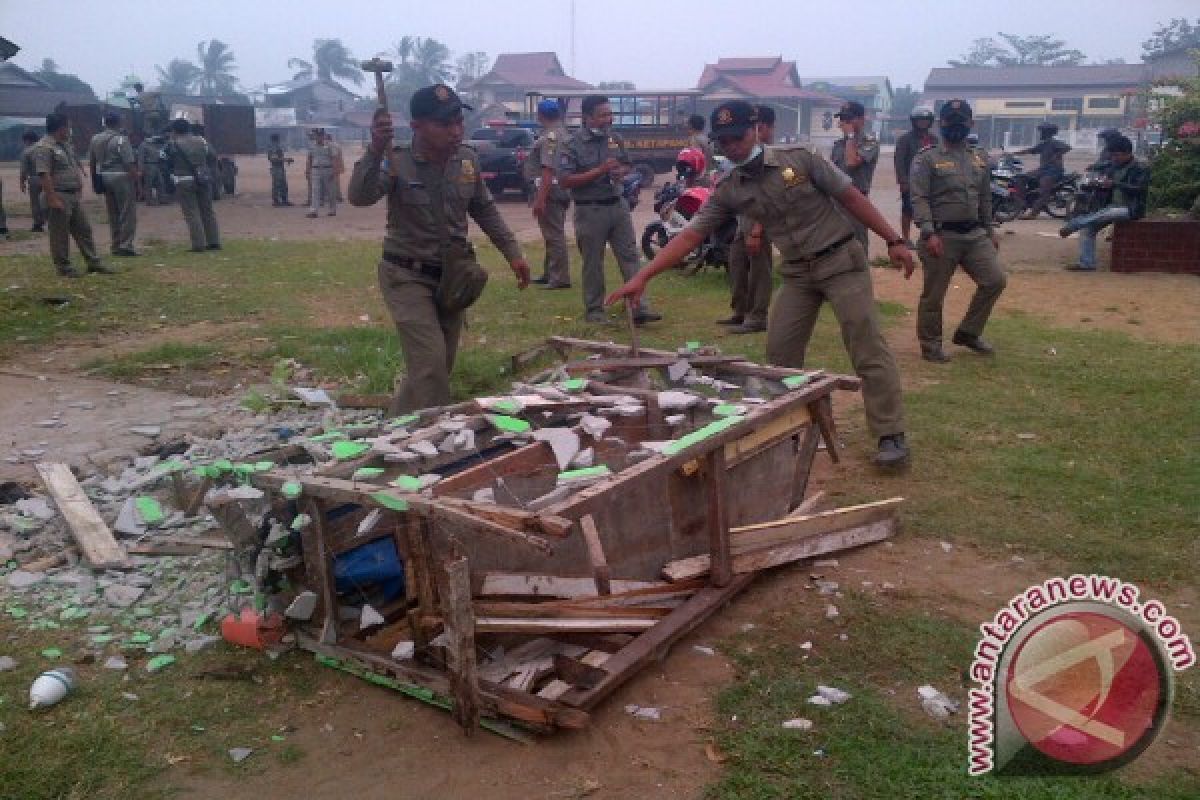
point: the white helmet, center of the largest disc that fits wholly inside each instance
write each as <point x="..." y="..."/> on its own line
<point x="921" y="112"/>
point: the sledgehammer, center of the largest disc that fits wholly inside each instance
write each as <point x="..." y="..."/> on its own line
<point x="379" y="66"/>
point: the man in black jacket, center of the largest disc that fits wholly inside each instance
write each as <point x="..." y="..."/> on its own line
<point x="1129" y="180"/>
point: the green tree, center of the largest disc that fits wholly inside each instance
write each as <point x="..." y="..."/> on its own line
<point x="61" y="81"/>
<point x="1042" y="50"/>
<point x="904" y="100"/>
<point x="1171" y="36"/>
<point x="1175" y="173"/>
<point x="178" y="78"/>
<point x="216" y="63"/>
<point x="331" y="59"/>
<point x="422" y="61"/>
<point x="471" y="66"/>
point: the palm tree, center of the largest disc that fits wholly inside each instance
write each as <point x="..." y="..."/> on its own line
<point x="331" y="59"/>
<point x="178" y="78"/>
<point x="216" y="63"/>
<point x="422" y="61"/>
<point x="304" y="69"/>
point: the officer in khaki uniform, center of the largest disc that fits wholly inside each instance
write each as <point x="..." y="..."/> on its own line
<point x="550" y="201"/>
<point x="278" y="162"/>
<point x="952" y="206"/>
<point x="431" y="186"/>
<point x="592" y="165"/>
<point x="856" y="154"/>
<point x="149" y="155"/>
<point x="795" y="194"/>
<point x="750" y="266"/>
<point x="61" y="176"/>
<point x="194" y="166"/>
<point x="322" y="170"/>
<point x="110" y="156"/>
<point x="31" y="183"/>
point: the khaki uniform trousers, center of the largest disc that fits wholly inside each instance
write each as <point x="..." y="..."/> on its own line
<point x="196" y="204"/>
<point x="750" y="280"/>
<point x="120" y="200"/>
<point x="595" y="227"/>
<point x="152" y="184"/>
<point x="553" y="224"/>
<point x="428" y="338"/>
<point x="976" y="254"/>
<point x="324" y="190"/>
<point x="70" y="222"/>
<point x="36" y="209"/>
<point x="843" y="280"/>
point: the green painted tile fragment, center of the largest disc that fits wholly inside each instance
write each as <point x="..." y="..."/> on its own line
<point x="366" y="473"/>
<point x="403" y="422"/>
<point x="241" y="587"/>
<point x="16" y="612"/>
<point x="207" y="471"/>
<point x="301" y="522"/>
<point x="102" y="638"/>
<point x="150" y="510"/>
<point x="141" y="612"/>
<point x="508" y="424"/>
<point x="588" y="472"/>
<point x="52" y="653"/>
<point x="328" y="436"/>
<point x="201" y="621"/>
<point x="174" y="465"/>
<point x="796" y="381"/>
<point x="573" y="385"/>
<point x="278" y="738"/>
<point x="44" y="625"/>
<point x="508" y="406"/>
<point x="389" y="501"/>
<point x="223" y="464"/>
<point x="291" y="490"/>
<point x="692" y="345"/>
<point x="263" y="466"/>
<point x="159" y="663"/>
<point x="344" y="450"/>
<point x="697" y="436"/>
<point x="141" y="638"/>
<point x="73" y="612"/>
<point x="408" y="483"/>
<point x="726" y="410"/>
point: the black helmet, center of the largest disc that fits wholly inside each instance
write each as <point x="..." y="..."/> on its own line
<point x="921" y="112"/>
<point x="1048" y="128"/>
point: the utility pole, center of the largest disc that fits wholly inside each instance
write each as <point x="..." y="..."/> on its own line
<point x="572" y="38"/>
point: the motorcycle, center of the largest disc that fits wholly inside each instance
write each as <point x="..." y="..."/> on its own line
<point x="1092" y="195"/>
<point x="1022" y="192"/>
<point x="676" y="203"/>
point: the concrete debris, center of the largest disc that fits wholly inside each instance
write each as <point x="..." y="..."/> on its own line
<point x="115" y="663"/>
<point x="404" y="651"/>
<point x="827" y="587"/>
<point x="643" y="712"/>
<point x="149" y="431"/>
<point x="7" y="663"/>
<point x="369" y="522"/>
<point x="594" y="426"/>
<point x="128" y="520"/>
<point x="302" y="607"/>
<point x="122" y="596"/>
<point x="583" y="459"/>
<point x="818" y="700"/>
<point x="487" y="495"/>
<point x="677" y="370"/>
<point x="244" y="493"/>
<point x="677" y="400"/>
<point x="831" y="612"/>
<point x="936" y="704"/>
<point x="314" y="397"/>
<point x="833" y="695"/>
<point x="704" y="650"/>
<point x="424" y="448"/>
<point x="369" y="618"/>
<point x="240" y="754"/>
<point x="563" y="441"/>
<point x="200" y="643"/>
<point x="798" y="724"/>
<point x="37" y="507"/>
<point x="947" y="547"/>
<point x="20" y="579"/>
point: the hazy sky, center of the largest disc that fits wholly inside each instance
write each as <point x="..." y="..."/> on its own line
<point x="656" y="44"/>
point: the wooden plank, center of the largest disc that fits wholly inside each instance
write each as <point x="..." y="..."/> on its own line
<point x="348" y="400"/>
<point x="319" y="565"/>
<point x="576" y="672"/>
<point x="48" y="562"/>
<point x="808" y="505"/>
<point x="423" y="588"/>
<point x="205" y="542"/>
<point x="459" y="617"/>
<point x="155" y="549"/>
<point x="96" y="542"/>
<point x="822" y="410"/>
<point x="558" y="610"/>
<point x="766" y="435"/>
<point x="819" y="545"/>
<point x="515" y="584"/>
<point x="720" y="564"/>
<point x="806" y="451"/>
<point x="784" y="531"/>
<point x="521" y="460"/>
<point x="547" y="626"/>
<point x="643" y="362"/>
<point x="596" y="556"/>
<point x="656" y="641"/>
<point x="558" y="687"/>
<point x="530" y="521"/>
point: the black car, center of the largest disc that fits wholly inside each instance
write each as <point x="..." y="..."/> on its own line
<point x="502" y="154"/>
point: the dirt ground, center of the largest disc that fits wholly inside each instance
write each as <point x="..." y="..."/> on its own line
<point x="366" y="742"/>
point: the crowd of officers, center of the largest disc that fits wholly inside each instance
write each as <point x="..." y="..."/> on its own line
<point x="815" y="211"/>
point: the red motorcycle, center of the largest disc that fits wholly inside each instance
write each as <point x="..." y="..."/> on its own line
<point x="676" y="203"/>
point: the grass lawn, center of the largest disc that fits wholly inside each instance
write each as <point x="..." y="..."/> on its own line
<point x="1105" y="479"/>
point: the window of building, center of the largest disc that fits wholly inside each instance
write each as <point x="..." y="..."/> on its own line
<point x="1104" y="102"/>
<point x="1024" y="103"/>
<point x="1066" y="104"/>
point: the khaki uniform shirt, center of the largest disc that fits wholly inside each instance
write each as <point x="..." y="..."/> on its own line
<point x="323" y="156"/>
<point x="545" y="153"/>
<point x="702" y="142"/>
<point x="864" y="173"/>
<point x="790" y="190"/>
<point x="187" y="152"/>
<point x="110" y="151"/>
<point x="427" y="204"/>
<point x="28" y="168"/>
<point x="57" y="161"/>
<point x="950" y="184"/>
<point x="584" y="151"/>
<point x="149" y="154"/>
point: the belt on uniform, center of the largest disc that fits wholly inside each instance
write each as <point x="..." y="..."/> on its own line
<point x="608" y="201"/>
<point x="430" y="269"/>
<point x="961" y="226"/>
<point x="825" y="251"/>
<point x="68" y="191"/>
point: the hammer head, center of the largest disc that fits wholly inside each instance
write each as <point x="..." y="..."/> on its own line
<point x="377" y="65"/>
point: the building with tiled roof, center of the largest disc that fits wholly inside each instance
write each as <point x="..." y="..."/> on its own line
<point x="800" y="111"/>
<point x="514" y="74"/>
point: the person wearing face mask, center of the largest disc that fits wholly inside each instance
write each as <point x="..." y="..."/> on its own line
<point x="856" y="154"/>
<point x="1129" y="181"/>
<point x="803" y="203"/>
<point x="592" y="164"/>
<point x="952" y="206"/>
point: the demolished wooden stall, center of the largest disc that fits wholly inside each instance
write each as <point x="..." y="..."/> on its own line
<point x="534" y="604"/>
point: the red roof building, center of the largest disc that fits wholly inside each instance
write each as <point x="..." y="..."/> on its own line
<point x="514" y="74"/>
<point x="799" y="112"/>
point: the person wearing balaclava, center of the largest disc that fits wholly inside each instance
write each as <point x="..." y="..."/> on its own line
<point x="952" y="206"/>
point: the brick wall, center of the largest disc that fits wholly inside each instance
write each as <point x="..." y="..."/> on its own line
<point x="1157" y="246"/>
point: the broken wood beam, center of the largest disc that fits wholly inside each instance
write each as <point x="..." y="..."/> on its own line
<point x="319" y="566"/>
<point x="459" y="618"/>
<point x="535" y="625"/>
<point x="822" y="411"/>
<point x="643" y="362"/>
<point x="591" y="660"/>
<point x="595" y="550"/>
<point x="720" y="557"/>
<point x="561" y="610"/>
<point x="97" y="544"/>
<point x="519" y="584"/>
<point x="48" y="562"/>
<point x="577" y="672"/>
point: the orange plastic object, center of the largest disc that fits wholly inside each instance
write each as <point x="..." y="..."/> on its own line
<point x="251" y="629"/>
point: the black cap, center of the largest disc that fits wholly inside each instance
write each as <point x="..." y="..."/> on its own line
<point x="438" y="102"/>
<point x="955" y="111"/>
<point x="732" y="118"/>
<point x="851" y="110"/>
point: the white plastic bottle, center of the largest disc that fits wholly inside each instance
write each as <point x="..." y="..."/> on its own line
<point x="51" y="686"/>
